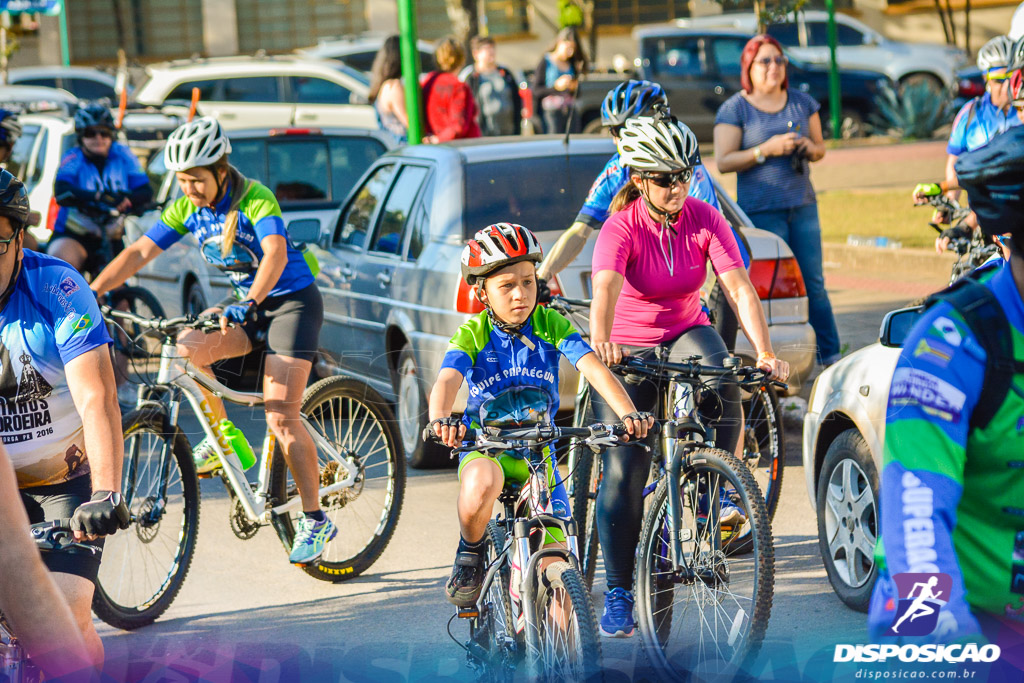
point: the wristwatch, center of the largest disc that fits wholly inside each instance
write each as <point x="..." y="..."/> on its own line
<point x="759" y="156"/>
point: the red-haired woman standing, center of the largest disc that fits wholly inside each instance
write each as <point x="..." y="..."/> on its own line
<point x="767" y="134"/>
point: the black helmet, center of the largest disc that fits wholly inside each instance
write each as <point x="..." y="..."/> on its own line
<point x="10" y="129"/>
<point x="993" y="177"/>
<point x="13" y="200"/>
<point x="93" y="115"/>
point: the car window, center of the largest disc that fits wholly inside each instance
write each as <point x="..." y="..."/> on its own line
<point x="311" y="90"/>
<point x="350" y="157"/>
<point x="388" y="239"/>
<point x="678" y="57"/>
<point x="44" y="82"/>
<point x="540" y="192"/>
<point x="726" y="53"/>
<point x="356" y="222"/>
<point x="88" y="89"/>
<point x="250" y="157"/>
<point x="207" y="90"/>
<point x="35" y="172"/>
<point x="817" y="34"/>
<point x="252" y="89"/>
<point x="297" y="169"/>
<point x="21" y="154"/>
<point x="787" y="33"/>
<point x="419" y="227"/>
<point x="362" y="61"/>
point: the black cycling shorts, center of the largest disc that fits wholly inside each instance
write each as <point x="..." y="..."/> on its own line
<point x="93" y="245"/>
<point x="288" y="325"/>
<point x="59" y="501"/>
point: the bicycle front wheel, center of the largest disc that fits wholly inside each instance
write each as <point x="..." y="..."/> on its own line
<point x="566" y="645"/>
<point x="495" y="629"/>
<point x="144" y="566"/>
<point x="586" y="481"/>
<point x="709" y="615"/>
<point x="358" y="424"/>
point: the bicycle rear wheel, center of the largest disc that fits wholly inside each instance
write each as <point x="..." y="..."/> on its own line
<point x="566" y="642"/>
<point x="764" y="451"/>
<point x="709" y="617"/>
<point x="144" y="566"/>
<point x="586" y="481"/>
<point x="358" y="423"/>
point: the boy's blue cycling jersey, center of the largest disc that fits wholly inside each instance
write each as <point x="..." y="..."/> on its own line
<point x="510" y="382"/>
<point x="615" y="176"/>
<point x="977" y="123"/>
<point x="50" y="319"/>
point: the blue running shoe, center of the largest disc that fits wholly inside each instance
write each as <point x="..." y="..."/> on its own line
<point x="310" y="539"/>
<point x="731" y="514"/>
<point x="617" y="620"/>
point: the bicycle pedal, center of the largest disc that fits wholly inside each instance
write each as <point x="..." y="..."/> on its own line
<point x="468" y="612"/>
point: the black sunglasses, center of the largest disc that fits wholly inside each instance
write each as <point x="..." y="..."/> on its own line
<point x="668" y="179"/>
<point x="96" y="132"/>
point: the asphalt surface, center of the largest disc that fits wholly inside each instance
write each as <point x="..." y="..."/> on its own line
<point x="245" y="614"/>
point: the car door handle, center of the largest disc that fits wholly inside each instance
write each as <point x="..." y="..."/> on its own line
<point x="384" y="278"/>
<point x="719" y="90"/>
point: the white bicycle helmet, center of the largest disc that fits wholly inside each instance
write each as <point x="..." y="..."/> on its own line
<point x="660" y="144"/>
<point x="995" y="54"/>
<point x="197" y="143"/>
<point x="497" y="246"/>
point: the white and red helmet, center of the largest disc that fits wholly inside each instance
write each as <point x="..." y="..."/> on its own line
<point x="497" y="246"/>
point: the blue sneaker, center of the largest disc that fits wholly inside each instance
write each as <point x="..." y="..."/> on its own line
<point x="310" y="539"/>
<point x="730" y="513"/>
<point x="617" y="620"/>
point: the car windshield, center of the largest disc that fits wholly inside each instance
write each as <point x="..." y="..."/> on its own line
<point x="541" y="193"/>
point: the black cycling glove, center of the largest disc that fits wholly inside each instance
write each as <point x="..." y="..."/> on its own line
<point x="637" y="415"/>
<point x="450" y="421"/>
<point x="104" y="514"/>
<point x="543" y="291"/>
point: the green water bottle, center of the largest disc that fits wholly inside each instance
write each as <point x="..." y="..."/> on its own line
<point x="238" y="443"/>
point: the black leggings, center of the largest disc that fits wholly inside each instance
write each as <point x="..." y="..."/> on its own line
<point x="620" y="503"/>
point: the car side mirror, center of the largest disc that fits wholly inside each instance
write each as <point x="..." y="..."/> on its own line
<point x="304" y="230"/>
<point x="897" y="325"/>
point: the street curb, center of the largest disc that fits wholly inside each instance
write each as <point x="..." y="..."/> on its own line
<point x="900" y="263"/>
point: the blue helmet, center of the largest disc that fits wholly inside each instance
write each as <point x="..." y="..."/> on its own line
<point x="13" y="200"/>
<point x="10" y="129"/>
<point x="93" y="115"/>
<point x="632" y="98"/>
<point x="993" y="177"/>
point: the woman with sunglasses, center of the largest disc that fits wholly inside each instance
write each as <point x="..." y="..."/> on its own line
<point x="94" y="178"/>
<point x="767" y="134"/>
<point x="649" y="263"/>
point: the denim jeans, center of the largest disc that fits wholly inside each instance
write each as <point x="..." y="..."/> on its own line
<point x="800" y="228"/>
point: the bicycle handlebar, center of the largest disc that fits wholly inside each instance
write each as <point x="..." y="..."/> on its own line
<point x="498" y="438"/>
<point x="566" y="305"/>
<point x="168" y="325"/>
<point x="693" y="370"/>
<point x="57" y="536"/>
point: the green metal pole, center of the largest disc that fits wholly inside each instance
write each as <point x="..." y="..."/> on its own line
<point x="410" y="69"/>
<point x="835" y="100"/>
<point x="65" y="48"/>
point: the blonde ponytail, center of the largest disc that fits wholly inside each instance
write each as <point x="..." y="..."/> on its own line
<point x="238" y="185"/>
<point x="626" y="196"/>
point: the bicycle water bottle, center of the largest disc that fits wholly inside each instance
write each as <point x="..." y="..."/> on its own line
<point x="238" y="443"/>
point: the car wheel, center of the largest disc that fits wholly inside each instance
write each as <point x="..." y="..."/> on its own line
<point x="848" y="518"/>
<point x="195" y="300"/>
<point x="594" y="127"/>
<point x="934" y="83"/>
<point x="412" y="414"/>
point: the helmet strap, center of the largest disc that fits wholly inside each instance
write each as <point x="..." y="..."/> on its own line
<point x="498" y="323"/>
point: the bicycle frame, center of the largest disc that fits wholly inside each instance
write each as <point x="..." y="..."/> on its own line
<point x="179" y="377"/>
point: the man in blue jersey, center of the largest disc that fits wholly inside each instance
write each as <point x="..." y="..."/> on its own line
<point x="951" y="485"/>
<point x="624" y="101"/>
<point x="59" y="417"/>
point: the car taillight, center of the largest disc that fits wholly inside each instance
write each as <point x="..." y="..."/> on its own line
<point x="777" y="279"/>
<point x="51" y="214"/>
<point x="555" y="285"/>
<point x="465" y="299"/>
<point x="526" y="95"/>
<point x="968" y="88"/>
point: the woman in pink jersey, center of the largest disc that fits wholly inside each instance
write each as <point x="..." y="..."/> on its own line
<point x="649" y="263"/>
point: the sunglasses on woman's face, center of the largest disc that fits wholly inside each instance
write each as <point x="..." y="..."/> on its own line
<point x="766" y="62"/>
<point x="97" y="132"/>
<point x="669" y="179"/>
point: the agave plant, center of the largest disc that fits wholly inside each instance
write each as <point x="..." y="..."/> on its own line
<point x="916" y="111"/>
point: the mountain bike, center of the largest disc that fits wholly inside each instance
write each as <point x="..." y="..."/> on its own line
<point x="704" y="586"/>
<point x="539" y="620"/>
<point x="763" y="453"/>
<point x="971" y="248"/>
<point x="50" y="537"/>
<point x="362" y="479"/>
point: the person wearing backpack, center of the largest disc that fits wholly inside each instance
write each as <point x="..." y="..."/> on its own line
<point x="952" y="479"/>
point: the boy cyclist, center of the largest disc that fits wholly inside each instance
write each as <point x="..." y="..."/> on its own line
<point x="509" y="356"/>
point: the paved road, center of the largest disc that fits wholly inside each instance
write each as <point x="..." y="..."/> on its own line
<point x="244" y="610"/>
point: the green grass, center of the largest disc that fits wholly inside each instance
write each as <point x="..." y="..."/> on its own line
<point x="874" y="213"/>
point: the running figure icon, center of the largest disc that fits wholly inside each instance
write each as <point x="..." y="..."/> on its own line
<point x="919" y="608"/>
